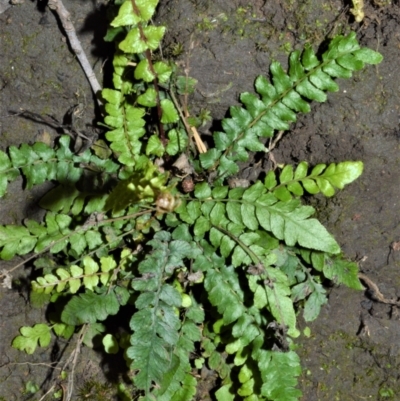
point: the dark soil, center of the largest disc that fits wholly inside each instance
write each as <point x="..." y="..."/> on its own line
<point x="353" y="351"/>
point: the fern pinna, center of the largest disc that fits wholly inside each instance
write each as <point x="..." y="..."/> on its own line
<point x="214" y="277"/>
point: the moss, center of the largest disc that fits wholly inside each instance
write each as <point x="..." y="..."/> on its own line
<point x="96" y="391"/>
<point x="29" y="41"/>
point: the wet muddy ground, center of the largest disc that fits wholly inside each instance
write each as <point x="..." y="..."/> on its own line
<point x="353" y="351"/>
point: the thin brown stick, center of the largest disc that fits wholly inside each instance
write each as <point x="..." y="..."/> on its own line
<point x="74" y="359"/>
<point x="51" y="389"/>
<point x="375" y="293"/>
<point x="201" y="147"/>
<point x="65" y="18"/>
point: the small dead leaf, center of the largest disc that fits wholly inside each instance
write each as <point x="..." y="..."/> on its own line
<point x="183" y="165"/>
<point x="395" y="246"/>
<point x="196" y="277"/>
<point x="7" y="280"/>
<point x="238" y="183"/>
<point x="44" y="136"/>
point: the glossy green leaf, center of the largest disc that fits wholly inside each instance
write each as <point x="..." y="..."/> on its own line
<point x="31" y="337"/>
<point x="148" y="98"/>
<point x="169" y="112"/>
<point x="89" y="308"/>
<point x="154" y="146"/>
<point x="143" y="72"/>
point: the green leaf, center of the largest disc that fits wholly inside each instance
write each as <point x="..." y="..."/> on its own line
<point x="323" y="81"/>
<point x="169" y="112"/>
<point x="290" y="222"/>
<point x="142" y="71"/>
<point x="296" y="102"/>
<point x="110" y="344"/>
<point x="343" y="173"/>
<point x="313" y="304"/>
<point x="177" y="141"/>
<point x="308" y="58"/>
<point x="281" y="80"/>
<point x="112" y="96"/>
<point x="210" y="158"/>
<point x="89" y="308"/>
<point x="279" y="371"/>
<point x="224" y="292"/>
<point x="296" y="70"/>
<point x="368" y="56"/>
<point x="32" y="336"/>
<point x="91" y="279"/>
<point x="148" y="98"/>
<point x="224" y="393"/>
<point x="201" y="226"/>
<point x="135" y="43"/>
<point x="15" y="240"/>
<point x="145" y="9"/>
<point x="163" y="71"/>
<point x="125" y="16"/>
<point x="350" y="62"/>
<point x="154" y="146"/>
<point x="335" y="70"/>
<point x="343" y="272"/>
<point x="301" y="170"/>
<point x="308" y="90"/>
<point x="202" y="191"/>
<point x="286" y="174"/>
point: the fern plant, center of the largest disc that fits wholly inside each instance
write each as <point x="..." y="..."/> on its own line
<point x="214" y="275"/>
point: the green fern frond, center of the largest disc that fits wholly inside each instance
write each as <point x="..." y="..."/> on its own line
<point x="73" y="278"/>
<point x="19" y="240"/>
<point x="252" y="209"/>
<point x="278" y="372"/>
<point x="156" y="326"/>
<point x="125" y="105"/>
<point x="178" y="383"/>
<point x="127" y="127"/>
<point x="247" y="327"/>
<point x="224" y="292"/>
<point x="39" y="163"/>
<point x="91" y="307"/>
<point x="321" y="179"/>
<point x="278" y="103"/>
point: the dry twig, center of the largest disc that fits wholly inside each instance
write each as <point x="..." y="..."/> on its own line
<point x="65" y="18"/>
<point x="74" y="359"/>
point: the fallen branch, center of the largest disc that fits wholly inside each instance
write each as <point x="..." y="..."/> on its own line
<point x="65" y="18"/>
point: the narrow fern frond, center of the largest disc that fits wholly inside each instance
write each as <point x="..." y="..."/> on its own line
<point x="75" y="277"/>
<point x="127" y="125"/>
<point x="156" y="325"/>
<point x="278" y="102"/>
<point x="126" y="104"/>
<point x="179" y="384"/>
<point x="253" y="209"/>
<point x="39" y="163"/>
<point x="20" y="240"/>
<point x="321" y="179"/>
